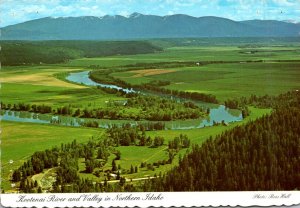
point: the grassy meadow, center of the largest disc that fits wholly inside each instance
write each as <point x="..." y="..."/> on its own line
<point x="192" y="53"/>
<point x="264" y="69"/>
<point x="228" y="80"/>
<point x="20" y="140"/>
<point x="41" y="85"/>
<point x="217" y="79"/>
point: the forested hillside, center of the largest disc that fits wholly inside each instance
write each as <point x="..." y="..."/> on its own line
<point x="50" y="52"/>
<point x="262" y="155"/>
<point x="139" y="26"/>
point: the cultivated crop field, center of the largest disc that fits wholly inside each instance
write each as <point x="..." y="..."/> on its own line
<point x="224" y="72"/>
<point x="270" y="76"/>
<point x="41" y="85"/>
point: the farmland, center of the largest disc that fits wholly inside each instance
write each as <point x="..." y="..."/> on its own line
<point x="217" y="79"/>
<point x="227" y="72"/>
<point x="40" y="85"/>
<point x="267" y="77"/>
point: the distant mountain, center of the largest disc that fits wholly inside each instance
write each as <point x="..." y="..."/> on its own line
<point x="139" y="26"/>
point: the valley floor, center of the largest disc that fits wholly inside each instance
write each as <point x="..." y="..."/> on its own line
<point x="269" y="71"/>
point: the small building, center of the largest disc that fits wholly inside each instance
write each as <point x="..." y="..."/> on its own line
<point x="113" y="175"/>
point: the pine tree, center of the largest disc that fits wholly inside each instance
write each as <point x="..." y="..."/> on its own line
<point x="114" y="166"/>
<point x="131" y="169"/>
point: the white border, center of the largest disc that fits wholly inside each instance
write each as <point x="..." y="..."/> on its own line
<point x="165" y="199"/>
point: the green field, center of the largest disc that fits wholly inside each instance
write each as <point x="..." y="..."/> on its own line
<point x="20" y="140"/>
<point x="208" y="53"/>
<point x="40" y="85"/>
<point x="55" y="96"/>
<point x="247" y="78"/>
<point x="229" y="80"/>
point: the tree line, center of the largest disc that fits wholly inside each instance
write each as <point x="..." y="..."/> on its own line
<point x="156" y="86"/>
<point x="150" y="108"/>
<point x="127" y="135"/>
<point x="50" y="52"/>
<point x="265" y="101"/>
<point x="160" y="109"/>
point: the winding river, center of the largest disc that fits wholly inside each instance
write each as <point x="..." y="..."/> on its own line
<point x="218" y="113"/>
<point x="83" y="78"/>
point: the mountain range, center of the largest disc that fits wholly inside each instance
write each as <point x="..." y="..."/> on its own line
<point x="139" y="26"/>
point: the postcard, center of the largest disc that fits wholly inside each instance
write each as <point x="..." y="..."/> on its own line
<point x="153" y="103"/>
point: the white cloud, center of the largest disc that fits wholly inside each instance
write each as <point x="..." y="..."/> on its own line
<point x="170" y="12"/>
<point x="124" y="13"/>
<point x="286" y="2"/>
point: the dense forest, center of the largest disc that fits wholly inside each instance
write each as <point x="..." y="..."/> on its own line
<point x="266" y="101"/>
<point x="50" y="52"/>
<point x="261" y="155"/>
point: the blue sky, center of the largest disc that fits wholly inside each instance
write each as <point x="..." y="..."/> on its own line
<point x="16" y="11"/>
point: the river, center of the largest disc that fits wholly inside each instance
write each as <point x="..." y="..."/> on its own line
<point x="83" y="78"/>
<point x="218" y="113"/>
